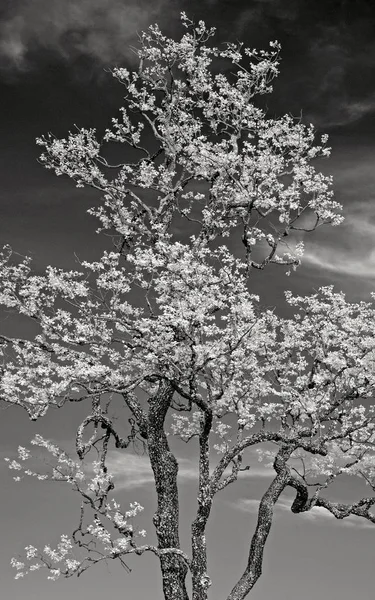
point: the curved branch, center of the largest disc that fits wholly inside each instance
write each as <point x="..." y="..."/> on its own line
<point x="265" y="514"/>
<point x="230" y="455"/>
<point x="82" y="447"/>
<point x="302" y="503"/>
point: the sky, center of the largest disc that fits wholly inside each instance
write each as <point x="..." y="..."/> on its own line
<point x="54" y="61"/>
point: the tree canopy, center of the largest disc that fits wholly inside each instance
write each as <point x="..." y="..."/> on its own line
<point x="207" y="188"/>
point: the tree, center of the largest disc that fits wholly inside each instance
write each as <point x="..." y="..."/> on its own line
<point x="166" y="322"/>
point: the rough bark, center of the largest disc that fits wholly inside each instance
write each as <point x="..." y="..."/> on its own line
<point x="265" y="514"/>
<point x="166" y="518"/>
<point x="200" y="580"/>
<point x="303" y="503"/>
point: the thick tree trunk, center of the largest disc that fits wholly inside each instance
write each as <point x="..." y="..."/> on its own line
<point x="166" y="518"/>
<point x="265" y="514"/>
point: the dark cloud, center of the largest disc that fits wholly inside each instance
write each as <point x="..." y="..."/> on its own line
<point x="339" y="79"/>
<point x="328" y="53"/>
<point x="265" y="13"/>
<point x="99" y="29"/>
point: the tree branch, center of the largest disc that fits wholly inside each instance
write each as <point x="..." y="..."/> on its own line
<point x="265" y="514"/>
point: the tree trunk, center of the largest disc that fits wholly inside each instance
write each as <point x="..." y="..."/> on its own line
<point x="200" y="579"/>
<point x="166" y="518"/>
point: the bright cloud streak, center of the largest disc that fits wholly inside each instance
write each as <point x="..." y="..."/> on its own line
<point x="133" y="470"/>
<point x="341" y="261"/>
<point x="349" y="249"/>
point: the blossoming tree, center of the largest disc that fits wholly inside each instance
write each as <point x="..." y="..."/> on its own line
<point x="166" y="322"/>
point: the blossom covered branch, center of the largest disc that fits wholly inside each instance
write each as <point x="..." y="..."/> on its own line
<point x="164" y="325"/>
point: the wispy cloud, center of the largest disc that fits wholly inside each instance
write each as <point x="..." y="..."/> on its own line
<point x="354" y="110"/>
<point x="262" y="13"/>
<point x="99" y="29"/>
<point x="315" y="515"/>
<point x="258" y="472"/>
<point x="341" y="261"/>
<point x="251" y="505"/>
<point x="338" y="58"/>
<point x="340" y="111"/>
<point x="133" y="470"/>
<point x="353" y="254"/>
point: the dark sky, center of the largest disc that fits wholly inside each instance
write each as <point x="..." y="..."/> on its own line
<point x="53" y="60"/>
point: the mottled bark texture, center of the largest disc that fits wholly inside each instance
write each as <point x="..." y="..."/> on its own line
<point x="200" y="580"/>
<point x="166" y="518"/>
<point x="265" y="514"/>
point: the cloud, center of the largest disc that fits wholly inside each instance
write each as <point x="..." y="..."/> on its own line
<point x="341" y="60"/>
<point x="315" y="515"/>
<point x="258" y="472"/>
<point x="342" y="262"/>
<point x="133" y="470"/>
<point x="283" y="505"/>
<point x="99" y="29"/>
<point x="349" y="249"/>
<point x="343" y="111"/>
<point x="356" y="109"/>
<point x="263" y="13"/>
<point x="354" y="252"/>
